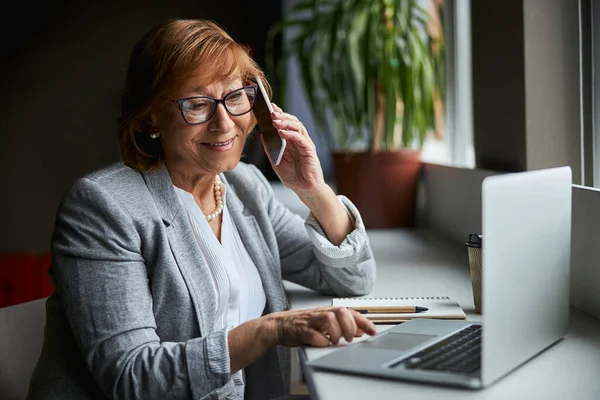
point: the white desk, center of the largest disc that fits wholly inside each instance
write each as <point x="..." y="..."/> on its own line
<point x="417" y="263"/>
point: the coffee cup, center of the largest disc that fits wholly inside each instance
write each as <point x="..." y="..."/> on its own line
<point x="474" y="248"/>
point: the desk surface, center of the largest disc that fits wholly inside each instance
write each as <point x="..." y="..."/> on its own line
<point x="418" y="263"/>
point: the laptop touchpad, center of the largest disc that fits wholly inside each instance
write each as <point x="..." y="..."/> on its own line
<point x="396" y="341"/>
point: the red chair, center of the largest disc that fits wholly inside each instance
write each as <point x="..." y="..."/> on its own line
<point x="24" y="277"/>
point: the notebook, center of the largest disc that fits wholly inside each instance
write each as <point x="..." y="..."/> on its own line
<point x="439" y="307"/>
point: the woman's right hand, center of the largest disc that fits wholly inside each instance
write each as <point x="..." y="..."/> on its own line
<point x="319" y="327"/>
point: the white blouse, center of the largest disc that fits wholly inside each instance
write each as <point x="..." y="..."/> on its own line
<point x="237" y="284"/>
<point x="238" y="288"/>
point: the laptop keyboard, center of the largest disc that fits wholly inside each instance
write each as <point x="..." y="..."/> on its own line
<point x="459" y="353"/>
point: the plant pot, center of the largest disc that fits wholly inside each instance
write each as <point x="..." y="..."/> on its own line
<point x="382" y="185"/>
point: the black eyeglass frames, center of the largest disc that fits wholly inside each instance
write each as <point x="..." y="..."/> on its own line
<point x="200" y="109"/>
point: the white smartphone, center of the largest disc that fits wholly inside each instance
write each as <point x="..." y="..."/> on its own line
<point x="262" y="112"/>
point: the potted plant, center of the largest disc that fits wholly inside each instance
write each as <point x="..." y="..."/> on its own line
<point x="373" y="75"/>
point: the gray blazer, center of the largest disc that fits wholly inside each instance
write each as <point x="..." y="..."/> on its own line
<point x="133" y="310"/>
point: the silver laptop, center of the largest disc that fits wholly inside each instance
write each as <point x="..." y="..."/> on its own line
<point x="525" y="295"/>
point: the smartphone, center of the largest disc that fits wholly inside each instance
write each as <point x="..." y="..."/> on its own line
<point x="262" y="112"/>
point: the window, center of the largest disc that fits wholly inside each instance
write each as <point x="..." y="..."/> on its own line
<point x="455" y="145"/>
<point x="451" y="145"/>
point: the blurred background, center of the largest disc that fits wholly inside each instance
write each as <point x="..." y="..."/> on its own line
<point x="63" y="70"/>
<point x="514" y="89"/>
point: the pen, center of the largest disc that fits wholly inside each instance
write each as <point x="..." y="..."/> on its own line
<point x="389" y="309"/>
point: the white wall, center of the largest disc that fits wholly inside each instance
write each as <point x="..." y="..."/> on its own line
<point x="552" y="83"/>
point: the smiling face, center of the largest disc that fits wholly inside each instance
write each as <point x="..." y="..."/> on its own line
<point x="177" y="60"/>
<point x="211" y="147"/>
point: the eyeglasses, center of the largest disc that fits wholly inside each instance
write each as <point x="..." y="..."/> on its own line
<point x="197" y="110"/>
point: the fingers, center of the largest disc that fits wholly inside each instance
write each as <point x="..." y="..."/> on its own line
<point x="347" y="323"/>
<point x="363" y="323"/>
<point x="285" y="121"/>
<point x="354" y="324"/>
<point x="276" y="108"/>
<point x="300" y="140"/>
<point x="316" y="339"/>
<point x="323" y="326"/>
<point x="340" y="322"/>
<point x="290" y="123"/>
<point x="327" y="322"/>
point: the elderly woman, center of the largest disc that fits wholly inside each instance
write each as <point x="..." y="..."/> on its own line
<point x="168" y="266"/>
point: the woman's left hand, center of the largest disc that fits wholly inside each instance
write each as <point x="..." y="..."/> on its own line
<point x="299" y="168"/>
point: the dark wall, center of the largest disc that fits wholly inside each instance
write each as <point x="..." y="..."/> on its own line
<point x="63" y="67"/>
<point x="498" y="69"/>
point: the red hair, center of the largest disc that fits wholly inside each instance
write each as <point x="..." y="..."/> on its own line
<point x="162" y="62"/>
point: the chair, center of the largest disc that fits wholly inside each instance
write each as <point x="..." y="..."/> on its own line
<point x="21" y="338"/>
<point x="24" y="277"/>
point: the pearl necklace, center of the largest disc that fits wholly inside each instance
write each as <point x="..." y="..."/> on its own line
<point x="219" y="187"/>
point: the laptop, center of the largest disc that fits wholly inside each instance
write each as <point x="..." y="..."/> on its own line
<point x="526" y="221"/>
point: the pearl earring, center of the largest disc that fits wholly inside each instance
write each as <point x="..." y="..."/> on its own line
<point x="154" y="135"/>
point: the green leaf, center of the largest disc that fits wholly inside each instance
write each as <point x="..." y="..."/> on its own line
<point x="345" y="48"/>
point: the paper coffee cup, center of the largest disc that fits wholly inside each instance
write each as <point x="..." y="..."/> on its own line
<point x="474" y="248"/>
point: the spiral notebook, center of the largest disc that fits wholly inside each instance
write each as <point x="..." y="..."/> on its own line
<point x="437" y="307"/>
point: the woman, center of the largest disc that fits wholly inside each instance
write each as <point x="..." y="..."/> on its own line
<point x="168" y="267"/>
